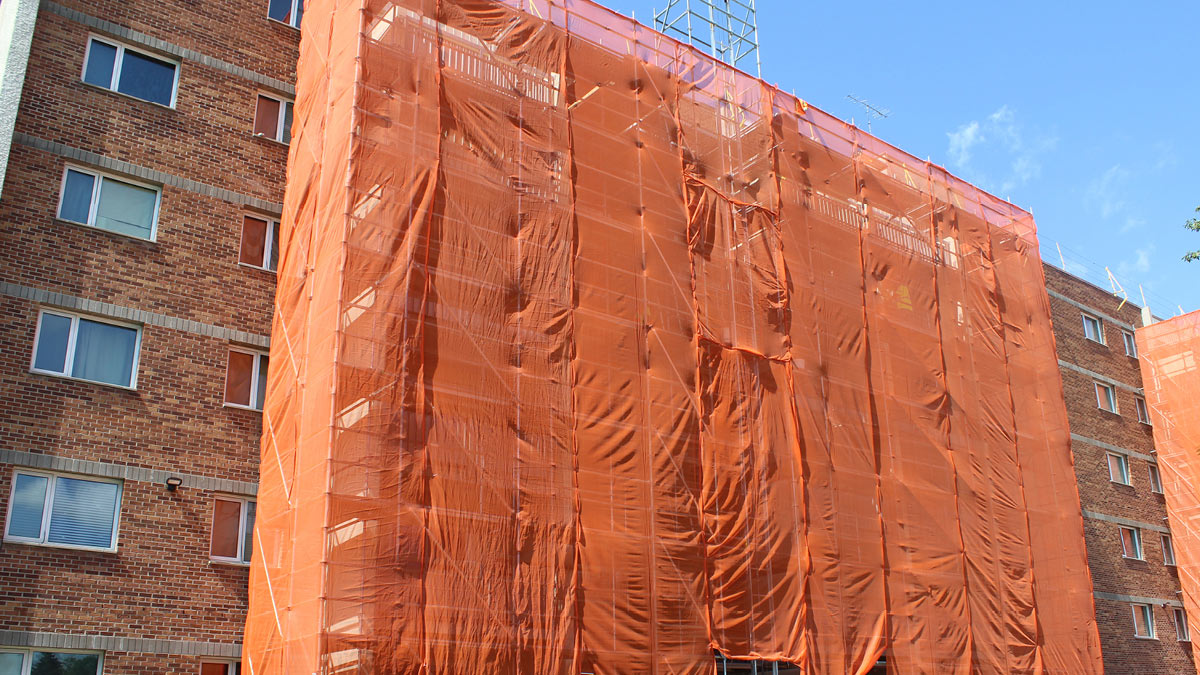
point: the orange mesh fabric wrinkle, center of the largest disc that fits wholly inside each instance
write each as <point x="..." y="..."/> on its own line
<point x="594" y="355"/>
<point x="1169" y="354"/>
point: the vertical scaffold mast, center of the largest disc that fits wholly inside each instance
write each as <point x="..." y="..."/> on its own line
<point x="727" y="29"/>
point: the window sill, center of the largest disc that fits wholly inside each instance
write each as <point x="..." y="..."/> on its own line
<point x="60" y="376"/>
<point x="131" y="97"/>
<point x="238" y="406"/>
<point x="1110" y="412"/>
<point x="1142" y="637"/>
<point x="257" y="268"/>
<point x="283" y="23"/>
<point x="1126" y="557"/>
<point x="65" y="547"/>
<point x="1117" y="482"/>
<point x="268" y="139"/>
<point x="122" y="235"/>
<point x="229" y="563"/>
<point x="1102" y="343"/>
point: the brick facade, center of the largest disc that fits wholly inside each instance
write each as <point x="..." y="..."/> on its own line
<point x="159" y="589"/>
<point x="1119" y="581"/>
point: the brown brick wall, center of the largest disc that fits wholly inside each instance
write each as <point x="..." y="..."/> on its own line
<point x="1112" y="573"/>
<point x="160" y="583"/>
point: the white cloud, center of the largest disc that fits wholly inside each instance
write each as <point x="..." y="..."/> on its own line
<point x="1139" y="265"/>
<point x="1000" y="140"/>
<point x="1107" y="193"/>
<point x="962" y="141"/>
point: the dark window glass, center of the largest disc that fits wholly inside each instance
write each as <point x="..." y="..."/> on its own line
<point x="280" y="10"/>
<point x="60" y="662"/>
<point x="53" y="336"/>
<point x="147" y="78"/>
<point x="99" y="67"/>
<point x="76" y="197"/>
<point x="287" y="123"/>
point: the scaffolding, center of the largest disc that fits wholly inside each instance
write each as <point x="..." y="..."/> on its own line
<point x="594" y="354"/>
<point x="726" y="29"/>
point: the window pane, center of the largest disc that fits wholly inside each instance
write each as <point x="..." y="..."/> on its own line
<point x="10" y="663"/>
<point x="100" y="60"/>
<point x="125" y="208"/>
<point x="214" y="669"/>
<point x="1141" y="626"/>
<point x="248" y="535"/>
<point x="280" y="10"/>
<point x="266" y="117"/>
<point x="83" y="513"/>
<point x="287" y="123"/>
<point x="238" y="378"/>
<point x="146" y="78"/>
<point x="273" y="263"/>
<point x="227" y="518"/>
<point x="261" y="392"/>
<point x="254" y="239"/>
<point x="299" y="12"/>
<point x="104" y="353"/>
<point x="66" y="664"/>
<point x="53" y="335"/>
<point x="28" y="501"/>
<point x="76" y="197"/>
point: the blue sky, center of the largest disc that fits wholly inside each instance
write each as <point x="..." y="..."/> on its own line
<point x="1085" y="113"/>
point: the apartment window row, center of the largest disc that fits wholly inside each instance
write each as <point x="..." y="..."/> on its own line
<point x="1118" y="471"/>
<point x="80" y="512"/>
<point x="1106" y="399"/>
<point x="63" y="662"/>
<point x="1093" y="329"/>
<point x="81" y="347"/>
<point x="37" y="662"/>
<point x="1131" y="545"/>
<point x="118" y="67"/>
<point x="116" y="204"/>
<point x="1143" y="623"/>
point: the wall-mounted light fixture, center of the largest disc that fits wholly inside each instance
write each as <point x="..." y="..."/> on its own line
<point x="173" y="482"/>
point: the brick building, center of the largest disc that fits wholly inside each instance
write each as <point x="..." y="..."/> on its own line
<point x="142" y="176"/>
<point x="145" y="170"/>
<point x="1129" y="546"/>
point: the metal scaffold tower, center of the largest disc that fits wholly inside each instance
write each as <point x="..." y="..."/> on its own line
<point x="727" y="29"/>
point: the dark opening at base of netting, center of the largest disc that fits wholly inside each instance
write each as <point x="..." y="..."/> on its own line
<point x="727" y="666"/>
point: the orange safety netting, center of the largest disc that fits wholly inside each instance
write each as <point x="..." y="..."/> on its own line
<point x="594" y="355"/>
<point x="1170" y="362"/>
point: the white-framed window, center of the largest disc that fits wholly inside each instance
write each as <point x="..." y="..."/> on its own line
<point x="273" y="118"/>
<point x="83" y="348"/>
<point x="1181" y="628"/>
<point x="1106" y="397"/>
<point x="232" y="529"/>
<point x="15" y="661"/>
<point x="1155" y="479"/>
<point x="260" y="243"/>
<point x="1093" y="328"/>
<point x="1143" y="621"/>
<point x="286" y="11"/>
<point x="246" y="379"/>
<point x="1168" y="548"/>
<point x="1118" y="468"/>
<point x="62" y="510"/>
<point x="1130" y="344"/>
<point x="1131" y="543"/>
<point x="1143" y="412"/>
<point x="98" y="200"/>
<point x="112" y="65"/>
<point x="220" y="668"/>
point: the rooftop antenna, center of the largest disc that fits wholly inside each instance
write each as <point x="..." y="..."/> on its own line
<point x="726" y="29"/>
<point x="873" y="112"/>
